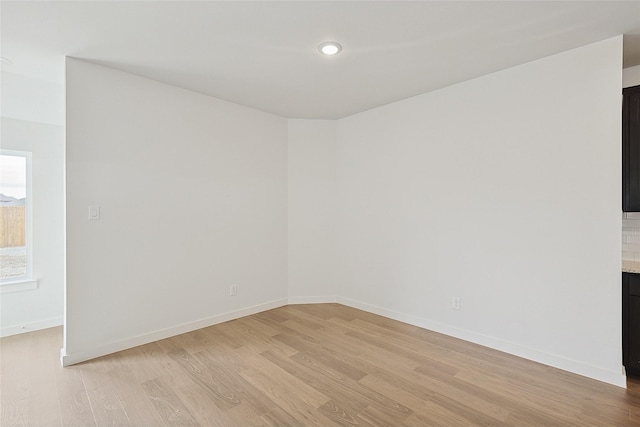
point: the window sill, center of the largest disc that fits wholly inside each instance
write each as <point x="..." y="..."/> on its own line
<point x="18" y="285"/>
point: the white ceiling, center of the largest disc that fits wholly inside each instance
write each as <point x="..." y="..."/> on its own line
<point x="264" y="54"/>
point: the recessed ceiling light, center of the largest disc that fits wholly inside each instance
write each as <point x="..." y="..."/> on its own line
<point x="330" y="48"/>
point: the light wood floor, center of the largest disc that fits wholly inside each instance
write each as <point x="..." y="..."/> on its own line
<point x="301" y="365"/>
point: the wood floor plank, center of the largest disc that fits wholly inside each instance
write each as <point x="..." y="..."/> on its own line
<point x="276" y="315"/>
<point x="44" y="401"/>
<point x="357" y="352"/>
<point x="250" y="322"/>
<point x="201" y="406"/>
<point x="310" y="312"/>
<point x="301" y="365"/>
<point x="412" y="399"/>
<point x="257" y="341"/>
<point x="137" y="407"/>
<point x="281" y="386"/>
<point x="248" y="395"/>
<point x="14" y="384"/>
<point x="334" y="391"/>
<point x="422" y="397"/>
<point x="243" y="415"/>
<point x="297" y="317"/>
<point x="74" y="402"/>
<point x="537" y="398"/>
<point x="330" y="311"/>
<point x="224" y="397"/>
<point x="334" y="383"/>
<point x="375" y="417"/>
<point x="437" y="418"/>
<point x="367" y="395"/>
<point x="323" y="356"/>
<point x="342" y="415"/>
<point x="360" y="353"/>
<point x="634" y="416"/>
<point x="168" y="404"/>
<point x="141" y="365"/>
<point x="103" y="397"/>
<point x="283" y="329"/>
<point x="294" y="397"/>
<point x="279" y="417"/>
<point x="411" y="354"/>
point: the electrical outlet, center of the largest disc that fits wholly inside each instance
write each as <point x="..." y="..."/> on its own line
<point x="455" y="303"/>
<point x="233" y="290"/>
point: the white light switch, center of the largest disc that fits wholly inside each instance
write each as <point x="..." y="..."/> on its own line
<point x="94" y="212"/>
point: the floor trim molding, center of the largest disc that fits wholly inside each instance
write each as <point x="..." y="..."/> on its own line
<point x="313" y="300"/>
<point x="69" y="359"/>
<point x="614" y="378"/>
<point x="30" y="327"/>
<point x="593" y="372"/>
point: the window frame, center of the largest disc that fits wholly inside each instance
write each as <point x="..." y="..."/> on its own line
<point x="25" y="282"/>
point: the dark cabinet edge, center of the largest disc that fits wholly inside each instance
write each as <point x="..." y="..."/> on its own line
<point x="630" y="202"/>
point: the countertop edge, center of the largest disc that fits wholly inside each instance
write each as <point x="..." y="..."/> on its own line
<point x="629" y="266"/>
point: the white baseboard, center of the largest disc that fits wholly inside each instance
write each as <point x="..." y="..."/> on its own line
<point x="312" y="300"/>
<point x="30" y="327"/>
<point x="68" y="359"/>
<point x="614" y="378"/>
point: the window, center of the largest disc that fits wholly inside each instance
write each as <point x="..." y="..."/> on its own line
<point x="15" y="221"/>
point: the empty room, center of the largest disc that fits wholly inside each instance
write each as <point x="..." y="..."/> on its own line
<point x="318" y="213"/>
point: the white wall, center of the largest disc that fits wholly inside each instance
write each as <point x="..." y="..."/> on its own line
<point x="32" y="113"/>
<point x="631" y="76"/>
<point x="193" y="198"/>
<point x="312" y="206"/>
<point x="503" y="191"/>
<point x="31" y="99"/>
<point x="39" y="308"/>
